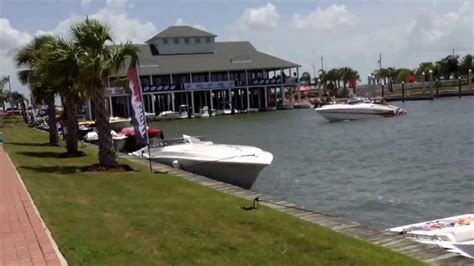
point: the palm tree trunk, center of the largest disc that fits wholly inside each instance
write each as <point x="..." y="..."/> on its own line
<point x="106" y="146"/>
<point x="53" y="130"/>
<point x="72" y="127"/>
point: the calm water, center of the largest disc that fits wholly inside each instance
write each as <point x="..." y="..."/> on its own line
<point x="384" y="172"/>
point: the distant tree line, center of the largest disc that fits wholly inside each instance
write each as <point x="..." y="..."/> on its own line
<point x="446" y="68"/>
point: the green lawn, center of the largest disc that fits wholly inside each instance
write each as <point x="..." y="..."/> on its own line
<point x="140" y="218"/>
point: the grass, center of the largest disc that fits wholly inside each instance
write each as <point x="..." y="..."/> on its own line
<point x="138" y="218"/>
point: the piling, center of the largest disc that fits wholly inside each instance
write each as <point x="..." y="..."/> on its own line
<point x="383" y="94"/>
<point x="459" y="87"/>
<point x="403" y="91"/>
<point x="469" y="79"/>
<point x="437" y="88"/>
<point x="431" y="81"/>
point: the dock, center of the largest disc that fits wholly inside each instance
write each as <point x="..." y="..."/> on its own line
<point x="427" y="253"/>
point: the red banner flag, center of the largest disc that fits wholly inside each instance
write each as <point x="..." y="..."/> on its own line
<point x="136" y="100"/>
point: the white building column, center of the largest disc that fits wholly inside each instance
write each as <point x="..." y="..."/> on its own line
<point x="248" y="98"/>
<point x="265" y="95"/>
<point x="298" y="84"/>
<point x="192" y="102"/>
<point x="259" y="99"/>
<point x="153" y="103"/>
<point x="172" y="102"/>
<point x="111" y="111"/>
<point x="211" y="103"/>
<point x="229" y="91"/>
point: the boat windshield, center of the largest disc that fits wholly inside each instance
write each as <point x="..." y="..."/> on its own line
<point x="190" y="139"/>
<point x="357" y="100"/>
<point x="168" y="142"/>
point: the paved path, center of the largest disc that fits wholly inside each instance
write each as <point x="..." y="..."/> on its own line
<point x="24" y="238"/>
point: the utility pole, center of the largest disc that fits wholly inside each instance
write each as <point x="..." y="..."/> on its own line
<point x="453" y="52"/>
<point x="380" y="61"/>
<point x="322" y="65"/>
<point x="9" y="84"/>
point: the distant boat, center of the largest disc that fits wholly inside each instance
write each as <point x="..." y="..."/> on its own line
<point x="358" y="108"/>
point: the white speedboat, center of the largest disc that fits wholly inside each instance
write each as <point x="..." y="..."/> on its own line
<point x="204" y="112"/>
<point x="358" y="108"/>
<point x="117" y="123"/>
<point x="234" y="164"/>
<point x="167" y="115"/>
<point x="456" y="234"/>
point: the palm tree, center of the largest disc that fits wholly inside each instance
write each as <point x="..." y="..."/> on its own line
<point x="306" y="77"/>
<point x="3" y="99"/>
<point x="97" y="62"/>
<point x="348" y="74"/>
<point x="449" y="65"/>
<point x="60" y="66"/>
<point x="28" y="57"/>
<point x="330" y="78"/>
<point x="466" y="64"/>
<point x="402" y="74"/>
<point x="425" y="68"/>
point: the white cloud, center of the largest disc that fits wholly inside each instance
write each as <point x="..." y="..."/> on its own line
<point x="259" y="18"/>
<point x="442" y="32"/>
<point x="181" y="22"/>
<point x="85" y="3"/>
<point x="325" y="19"/>
<point x="10" y="37"/>
<point x="10" y="40"/>
<point x="115" y="16"/>
<point x="405" y="35"/>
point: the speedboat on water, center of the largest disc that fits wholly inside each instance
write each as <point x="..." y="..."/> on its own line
<point x="456" y="234"/>
<point x="234" y="164"/>
<point x="358" y="108"/>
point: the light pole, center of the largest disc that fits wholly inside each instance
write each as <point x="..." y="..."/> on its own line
<point x="431" y="81"/>
<point x="9" y="84"/>
<point x="469" y="77"/>
<point x="424" y="79"/>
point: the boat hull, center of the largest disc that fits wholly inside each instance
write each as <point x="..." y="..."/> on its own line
<point x="238" y="174"/>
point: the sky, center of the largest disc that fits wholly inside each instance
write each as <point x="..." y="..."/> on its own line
<point x="345" y="33"/>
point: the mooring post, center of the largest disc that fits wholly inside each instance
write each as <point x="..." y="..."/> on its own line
<point x="431" y="81"/>
<point x="469" y="76"/>
<point x="403" y="91"/>
<point x="459" y="86"/>
<point x="424" y="80"/>
<point x="437" y="88"/>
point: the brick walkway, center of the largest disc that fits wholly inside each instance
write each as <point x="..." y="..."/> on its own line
<point x="24" y="239"/>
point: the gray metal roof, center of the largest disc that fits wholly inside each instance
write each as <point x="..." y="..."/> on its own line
<point x="228" y="56"/>
<point x="181" y="31"/>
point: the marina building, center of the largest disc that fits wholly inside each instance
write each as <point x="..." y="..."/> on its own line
<point x="184" y="69"/>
